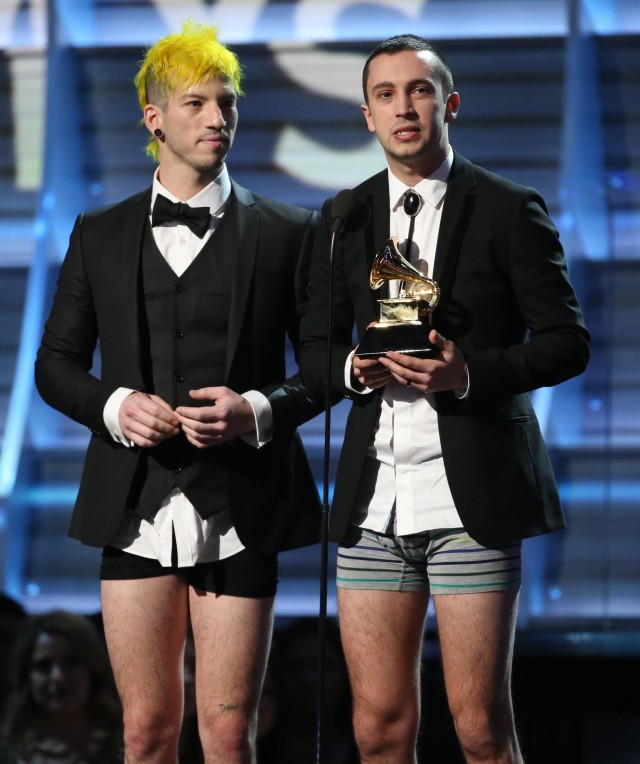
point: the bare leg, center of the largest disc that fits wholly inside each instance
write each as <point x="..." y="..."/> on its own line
<point x="382" y="637"/>
<point x="476" y="638"/>
<point x="145" y="626"/>
<point x="232" y="640"/>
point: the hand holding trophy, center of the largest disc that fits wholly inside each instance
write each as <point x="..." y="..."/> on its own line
<point x="403" y="325"/>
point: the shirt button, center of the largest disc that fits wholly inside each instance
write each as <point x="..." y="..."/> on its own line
<point x="178" y="469"/>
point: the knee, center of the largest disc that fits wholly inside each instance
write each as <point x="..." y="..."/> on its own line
<point x="150" y="737"/>
<point x="228" y="737"/>
<point x="388" y="733"/>
<point x="485" y="735"/>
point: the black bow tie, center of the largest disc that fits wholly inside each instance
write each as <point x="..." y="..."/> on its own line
<point x="165" y="211"/>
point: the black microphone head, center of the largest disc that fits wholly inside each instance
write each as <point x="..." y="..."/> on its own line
<point x="342" y="208"/>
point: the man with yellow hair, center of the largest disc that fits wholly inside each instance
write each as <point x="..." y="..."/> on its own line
<point x="195" y="477"/>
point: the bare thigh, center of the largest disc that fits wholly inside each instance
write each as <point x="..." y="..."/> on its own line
<point x="145" y="625"/>
<point x="476" y="633"/>
<point x="382" y="634"/>
<point x="232" y="637"/>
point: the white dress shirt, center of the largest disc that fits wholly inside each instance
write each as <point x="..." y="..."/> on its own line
<point x="404" y="465"/>
<point x="197" y="540"/>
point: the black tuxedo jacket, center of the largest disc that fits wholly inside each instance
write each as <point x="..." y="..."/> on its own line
<point x="506" y="302"/>
<point x="272" y="494"/>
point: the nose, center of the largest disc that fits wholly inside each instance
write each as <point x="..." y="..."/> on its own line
<point x="56" y="671"/>
<point x="404" y="105"/>
<point x="215" y="118"/>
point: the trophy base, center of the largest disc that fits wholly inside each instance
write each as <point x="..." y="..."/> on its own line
<point x="410" y="338"/>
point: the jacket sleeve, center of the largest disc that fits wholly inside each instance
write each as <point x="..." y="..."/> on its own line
<point x="292" y="402"/>
<point x="65" y="357"/>
<point x="313" y="349"/>
<point x="533" y="332"/>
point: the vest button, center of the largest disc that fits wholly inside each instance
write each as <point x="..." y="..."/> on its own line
<point x="178" y="378"/>
<point x="178" y="288"/>
<point x="178" y="334"/>
<point x="178" y="469"/>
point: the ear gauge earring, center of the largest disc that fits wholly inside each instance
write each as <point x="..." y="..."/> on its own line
<point x="158" y="132"/>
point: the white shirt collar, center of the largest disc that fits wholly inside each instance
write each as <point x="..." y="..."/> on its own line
<point x="214" y="196"/>
<point x="431" y="189"/>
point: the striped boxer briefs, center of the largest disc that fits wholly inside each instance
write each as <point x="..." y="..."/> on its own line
<point x="445" y="561"/>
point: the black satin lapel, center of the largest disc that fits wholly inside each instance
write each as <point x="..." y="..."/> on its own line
<point x="378" y="232"/>
<point x="247" y="228"/>
<point x="125" y="247"/>
<point x="458" y="206"/>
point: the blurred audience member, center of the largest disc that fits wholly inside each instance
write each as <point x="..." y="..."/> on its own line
<point x="294" y="671"/>
<point x="63" y="708"/>
<point x="12" y="614"/>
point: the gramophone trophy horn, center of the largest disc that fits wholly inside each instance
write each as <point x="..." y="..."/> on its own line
<point x="400" y="327"/>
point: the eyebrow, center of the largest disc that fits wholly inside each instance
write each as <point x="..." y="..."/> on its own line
<point x="228" y="90"/>
<point x="393" y="85"/>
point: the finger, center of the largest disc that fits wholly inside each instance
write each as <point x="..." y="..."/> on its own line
<point x="200" y="442"/>
<point x="366" y="363"/>
<point x="161" y="402"/>
<point x="208" y="393"/>
<point x="143" y="442"/>
<point x="150" y="411"/>
<point x="197" y="413"/>
<point x="148" y="427"/>
<point x="146" y="436"/>
<point x="435" y="338"/>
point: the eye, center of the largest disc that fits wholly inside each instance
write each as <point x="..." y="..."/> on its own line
<point x="422" y="90"/>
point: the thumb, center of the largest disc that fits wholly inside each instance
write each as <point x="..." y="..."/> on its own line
<point x="205" y="393"/>
<point x="437" y="339"/>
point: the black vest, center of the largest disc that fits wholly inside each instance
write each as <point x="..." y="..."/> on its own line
<point x="186" y="320"/>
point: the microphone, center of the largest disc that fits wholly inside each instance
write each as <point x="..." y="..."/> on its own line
<point x="342" y="208"/>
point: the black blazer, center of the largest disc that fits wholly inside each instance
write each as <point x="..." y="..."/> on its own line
<point x="506" y="302"/>
<point x="273" y="497"/>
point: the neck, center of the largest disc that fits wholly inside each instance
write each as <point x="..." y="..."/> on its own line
<point x="412" y="174"/>
<point x="185" y="185"/>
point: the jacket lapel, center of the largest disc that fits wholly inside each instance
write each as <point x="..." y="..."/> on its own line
<point x="247" y="227"/>
<point x="458" y="205"/>
<point x="127" y="251"/>
<point x="377" y="233"/>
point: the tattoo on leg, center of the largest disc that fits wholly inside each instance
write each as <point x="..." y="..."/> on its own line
<point x="224" y="707"/>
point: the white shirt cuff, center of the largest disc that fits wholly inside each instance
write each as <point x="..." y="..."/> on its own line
<point x="347" y="377"/>
<point x="462" y="394"/>
<point x="263" y="416"/>
<point x="110" y="415"/>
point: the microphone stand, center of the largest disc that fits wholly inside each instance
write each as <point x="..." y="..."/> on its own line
<point x="324" y="531"/>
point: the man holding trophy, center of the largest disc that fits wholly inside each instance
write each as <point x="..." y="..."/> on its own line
<point x="457" y="286"/>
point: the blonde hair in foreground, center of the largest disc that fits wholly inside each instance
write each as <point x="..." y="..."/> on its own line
<point x="180" y="60"/>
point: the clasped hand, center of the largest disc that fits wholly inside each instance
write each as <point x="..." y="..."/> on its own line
<point x="444" y="371"/>
<point x="147" y="420"/>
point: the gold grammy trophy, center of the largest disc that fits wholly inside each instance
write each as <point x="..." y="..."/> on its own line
<point x="400" y="327"/>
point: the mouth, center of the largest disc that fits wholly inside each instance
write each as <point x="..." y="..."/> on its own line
<point x="216" y="142"/>
<point x="406" y="132"/>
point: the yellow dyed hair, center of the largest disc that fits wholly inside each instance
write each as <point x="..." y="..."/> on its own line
<point x="180" y="60"/>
